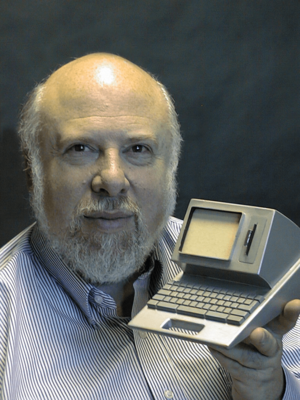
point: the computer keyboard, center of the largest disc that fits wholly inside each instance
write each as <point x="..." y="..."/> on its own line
<point x="202" y="301"/>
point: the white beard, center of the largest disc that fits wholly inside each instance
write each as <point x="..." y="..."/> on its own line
<point x="103" y="257"/>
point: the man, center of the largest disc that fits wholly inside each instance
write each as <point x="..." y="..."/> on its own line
<point x="101" y="144"/>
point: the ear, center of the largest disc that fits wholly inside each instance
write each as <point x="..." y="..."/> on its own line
<point x="28" y="172"/>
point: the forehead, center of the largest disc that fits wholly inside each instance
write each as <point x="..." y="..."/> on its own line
<point x="90" y="86"/>
<point x="112" y="94"/>
<point x="106" y="131"/>
<point x="121" y="118"/>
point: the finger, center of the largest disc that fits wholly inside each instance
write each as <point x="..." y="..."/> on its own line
<point x="254" y="351"/>
<point x="287" y="319"/>
<point x="266" y="343"/>
<point x="240" y="355"/>
<point x="291" y="313"/>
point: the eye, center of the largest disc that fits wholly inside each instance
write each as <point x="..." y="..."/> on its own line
<point x="139" y="148"/>
<point x="80" y="153"/>
<point x="79" y="148"/>
<point x="139" y="154"/>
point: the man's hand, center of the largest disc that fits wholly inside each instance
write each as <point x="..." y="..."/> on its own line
<point x="255" y="364"/>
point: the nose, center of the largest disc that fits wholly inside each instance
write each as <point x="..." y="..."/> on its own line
<point x="110" y="180"/>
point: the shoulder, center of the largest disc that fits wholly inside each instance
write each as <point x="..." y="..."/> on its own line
<point x="170" y="234"/>
<point x="14" y="248"/>
<point x="172" y="230"/>
<point x="174" y="223"/>
<point x="165" y="249"/>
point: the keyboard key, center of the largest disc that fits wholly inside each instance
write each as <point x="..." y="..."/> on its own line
<point x="158" y="297"/>
<point x="240" y="313"/>
<point x="216" y="316"/>
<point x="234" y="319"/>
<point x="250" y="308"/>
<point x="238" y="293"/>
<point x="191" y="311"/>
<point x="162" y="305"/>
<point x="259" y="298"/>
<point x="152" y="303"/>
<point x="230" y="292"/>
<point x="223" y="291"/>
<point x="164" y="292"/>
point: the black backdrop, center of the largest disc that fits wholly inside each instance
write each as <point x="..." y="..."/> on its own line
<point x="232" y="67"/>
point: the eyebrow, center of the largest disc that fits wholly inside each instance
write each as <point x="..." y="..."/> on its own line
<point x="93" y="138"/>
<point x="141" y="138"/>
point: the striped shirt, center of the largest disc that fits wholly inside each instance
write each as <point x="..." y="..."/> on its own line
<point x="61" y="338"/>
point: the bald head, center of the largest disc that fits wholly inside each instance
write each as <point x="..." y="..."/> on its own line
<point x="94" y="83"/>
<point x="100" y="83"/>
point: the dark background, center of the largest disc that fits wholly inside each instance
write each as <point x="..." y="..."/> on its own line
<point x="232" y="67"/>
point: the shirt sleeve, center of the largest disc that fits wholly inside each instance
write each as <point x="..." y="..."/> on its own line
<point x="291" y="363"/>
<point x="292" y="386"/>
<point x="4" y="318"/>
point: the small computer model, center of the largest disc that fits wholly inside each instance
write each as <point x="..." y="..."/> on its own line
<point x="240" y="265"/>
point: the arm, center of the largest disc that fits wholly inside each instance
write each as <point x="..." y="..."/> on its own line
<point x="255" y="364"/>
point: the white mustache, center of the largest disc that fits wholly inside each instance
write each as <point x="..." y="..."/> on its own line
<point x="122" y="204"/>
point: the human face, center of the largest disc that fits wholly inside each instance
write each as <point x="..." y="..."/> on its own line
<point x="120" y="152"/>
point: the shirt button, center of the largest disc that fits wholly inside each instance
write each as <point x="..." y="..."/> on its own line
<point x="98" y="299"/>
<point x="169" y="394"/>
<point x="143" y="334"/>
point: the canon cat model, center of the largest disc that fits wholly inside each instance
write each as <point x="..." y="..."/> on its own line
<point x="240" y="265"/>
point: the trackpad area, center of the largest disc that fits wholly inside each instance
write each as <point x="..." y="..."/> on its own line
<point x="174" y="323"/>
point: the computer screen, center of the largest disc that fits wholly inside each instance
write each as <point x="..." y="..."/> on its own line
<point x="211" y="233"/>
